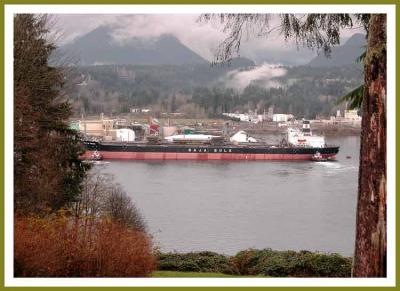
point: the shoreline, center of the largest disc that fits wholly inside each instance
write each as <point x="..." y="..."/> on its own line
<point x="265" y="127"/>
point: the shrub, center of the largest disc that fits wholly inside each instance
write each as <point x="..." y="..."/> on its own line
<point x="119" y="207"/>
<point x="243" y="263"/>
<point x="290" y="263"/>
<point x="259" y="262"/>
<point x="59" y="246"/>
<point x="100" y="196"/>
<point x="332" y="265"/>
<point x="194" y="262"/>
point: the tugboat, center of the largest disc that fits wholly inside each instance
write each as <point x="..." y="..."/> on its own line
<point x="96" y="156"/>
<point x="317" y="157"/>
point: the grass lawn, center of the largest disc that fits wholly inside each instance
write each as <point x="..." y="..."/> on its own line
<point x="173" y="274"/>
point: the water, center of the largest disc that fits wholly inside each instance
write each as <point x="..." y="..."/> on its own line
<point x="231" y="206"/>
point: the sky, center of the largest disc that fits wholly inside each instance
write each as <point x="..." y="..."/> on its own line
<point x="203" y="38"/>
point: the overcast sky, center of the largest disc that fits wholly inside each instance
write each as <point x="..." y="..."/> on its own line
<point x="203" y="38"/>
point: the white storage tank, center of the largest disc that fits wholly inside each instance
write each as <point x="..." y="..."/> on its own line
<point x="242" y="136"/>
<point x="125" y="134"/>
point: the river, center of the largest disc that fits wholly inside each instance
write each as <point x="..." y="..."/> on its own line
<point x="227" y="206"/>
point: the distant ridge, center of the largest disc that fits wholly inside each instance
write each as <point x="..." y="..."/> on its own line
<point x="98" y="47"/>
<point x="342" y="55"/>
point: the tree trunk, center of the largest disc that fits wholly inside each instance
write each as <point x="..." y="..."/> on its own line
<point x="370" y="246"/>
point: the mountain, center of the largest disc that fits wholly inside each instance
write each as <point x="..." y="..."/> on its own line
<point x="284" y="56"/>
<point x="100" y="47"/>
<point x="342" y="55"/>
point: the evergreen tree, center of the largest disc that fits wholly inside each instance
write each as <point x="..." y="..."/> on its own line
<point x="47" y="169"/>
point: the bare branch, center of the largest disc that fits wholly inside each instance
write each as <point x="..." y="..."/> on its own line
<point x="315" y="31"/>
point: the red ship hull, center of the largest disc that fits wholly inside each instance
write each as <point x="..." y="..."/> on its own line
<point x="108" y="155"/>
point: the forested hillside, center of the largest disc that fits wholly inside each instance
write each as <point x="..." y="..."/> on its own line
<point x="202" y="90"/>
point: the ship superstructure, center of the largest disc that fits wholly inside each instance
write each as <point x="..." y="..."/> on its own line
<point x="304" y="137"/>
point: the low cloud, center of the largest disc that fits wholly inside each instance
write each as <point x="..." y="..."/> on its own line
<point x="202" y="38"/>
<point x="262" y="75"/>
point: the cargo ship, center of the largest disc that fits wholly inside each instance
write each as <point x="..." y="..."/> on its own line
<point x="298" y="145"/>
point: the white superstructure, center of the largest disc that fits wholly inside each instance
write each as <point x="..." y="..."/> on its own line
<point x="305" y="138"/>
